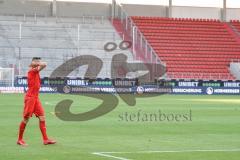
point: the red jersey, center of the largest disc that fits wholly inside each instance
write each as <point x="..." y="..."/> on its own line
<point x="34" y="83"/>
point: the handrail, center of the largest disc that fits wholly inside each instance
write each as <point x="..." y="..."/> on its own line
<point x="128" y="18"/>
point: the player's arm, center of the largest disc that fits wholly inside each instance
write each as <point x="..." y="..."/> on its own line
<point x="39" y="66"/>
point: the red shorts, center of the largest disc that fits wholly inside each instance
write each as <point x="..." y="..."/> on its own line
<point x="32" y="105"/>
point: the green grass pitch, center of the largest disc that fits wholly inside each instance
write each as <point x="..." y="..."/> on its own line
<point x="213" y="133"/>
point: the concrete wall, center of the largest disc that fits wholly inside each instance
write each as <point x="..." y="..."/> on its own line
<point x="196" y="12"/>
<point x="44" y="8"/>
<point x="76" y="9"/>
<point x="177" y="11"/>
<point x="181" y="11"/>
<point x="20" y="7"/>
<point x="145" y="10"/>
<point x="233" y="14"/>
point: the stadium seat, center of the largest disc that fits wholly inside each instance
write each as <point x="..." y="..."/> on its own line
<point x="192" y="48"/>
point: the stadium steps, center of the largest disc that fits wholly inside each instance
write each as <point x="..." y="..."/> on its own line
<point x="56" y="41"/>
<point x="235" y="26"/>
<point x="202" y="48"/>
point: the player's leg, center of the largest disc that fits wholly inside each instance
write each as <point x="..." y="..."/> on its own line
<point x="42" y="126"/>
<point x="27" y="113"/>
<point x="39" y="112"/>
<point x="22" y="127"/>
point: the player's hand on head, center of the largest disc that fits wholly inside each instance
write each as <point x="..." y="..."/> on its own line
<point x="42" y="65"/>
<point x="34" y="64"/>
<point x="38" y="66"/>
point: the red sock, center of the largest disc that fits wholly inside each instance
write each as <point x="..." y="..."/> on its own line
<point x="21" y="130"/>
<point x="42" y="127"/>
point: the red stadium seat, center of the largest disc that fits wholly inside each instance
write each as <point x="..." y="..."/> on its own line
<point x="192" y="48"/>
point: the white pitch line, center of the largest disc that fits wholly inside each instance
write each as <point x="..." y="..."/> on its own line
<point x="49" y="103"/>
<point x="108" y="154"/>
<point x="212" y="100"/>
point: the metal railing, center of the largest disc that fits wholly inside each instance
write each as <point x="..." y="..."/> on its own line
<point x="141" y="49"/>
<point x="22" y="38"/>
<point x="85" y="19"/>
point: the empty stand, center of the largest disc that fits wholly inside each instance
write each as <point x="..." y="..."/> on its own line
<point x="56" y="41"/>
<point x="191" y="48"/>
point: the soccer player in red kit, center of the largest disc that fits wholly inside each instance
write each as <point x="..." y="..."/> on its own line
<point x="32" y="104"/>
